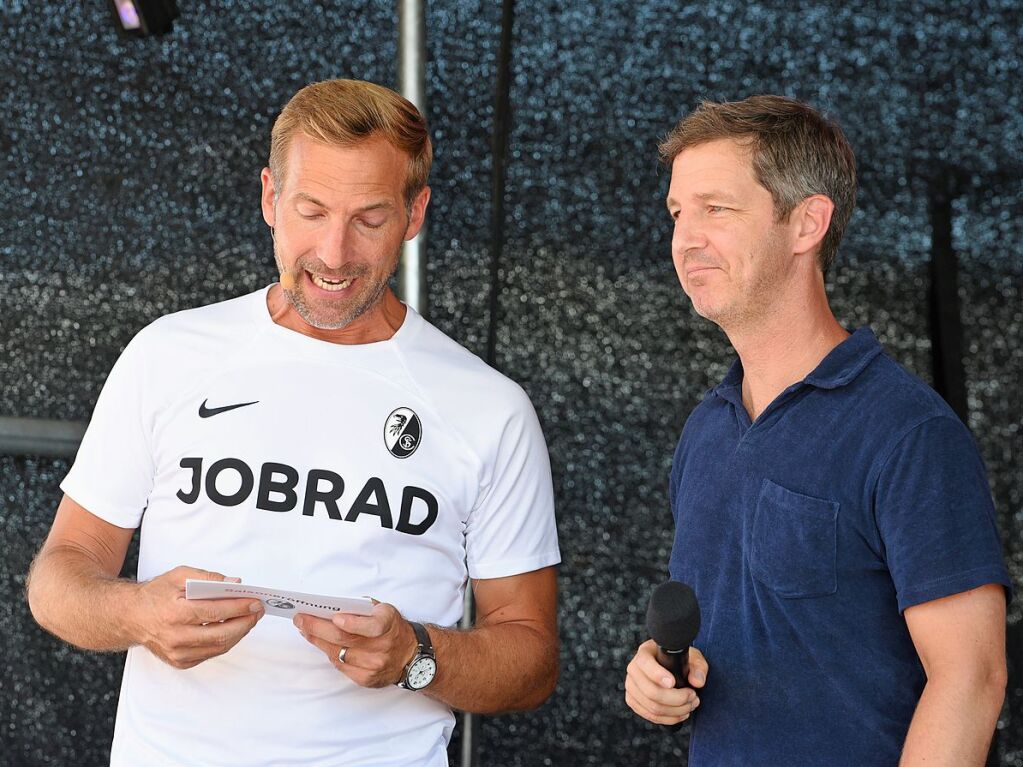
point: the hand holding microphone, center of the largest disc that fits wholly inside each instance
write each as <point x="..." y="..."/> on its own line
<point x="660" y="678"/>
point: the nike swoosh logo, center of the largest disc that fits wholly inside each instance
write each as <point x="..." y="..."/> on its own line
<point x="206" y="412"/>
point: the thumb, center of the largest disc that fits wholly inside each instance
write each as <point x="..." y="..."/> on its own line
<point x="211" y="575"/>
<point x="698" y="668"/>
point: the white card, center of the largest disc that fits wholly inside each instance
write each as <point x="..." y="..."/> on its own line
<point x="280" y="602"/>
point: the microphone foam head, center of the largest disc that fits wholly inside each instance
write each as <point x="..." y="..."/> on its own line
<point x="673" y="616"/>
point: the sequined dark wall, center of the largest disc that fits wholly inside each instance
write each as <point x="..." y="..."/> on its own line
<point x="129" y="188"/>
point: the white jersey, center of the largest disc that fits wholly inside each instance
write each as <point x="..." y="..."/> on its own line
<point x="394" y="469"/>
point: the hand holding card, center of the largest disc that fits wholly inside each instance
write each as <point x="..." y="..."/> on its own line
<point x="280" y="602"/>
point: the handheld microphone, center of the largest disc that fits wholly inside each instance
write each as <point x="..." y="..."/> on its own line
<point x="673" y="621"/>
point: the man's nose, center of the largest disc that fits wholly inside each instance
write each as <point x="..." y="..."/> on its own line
<point x="334" y="245"/>
<point x="688" y="234"/>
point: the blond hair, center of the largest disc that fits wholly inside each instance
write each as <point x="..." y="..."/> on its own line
<point x="794" y="151"/>
<point x="347" y="112"/>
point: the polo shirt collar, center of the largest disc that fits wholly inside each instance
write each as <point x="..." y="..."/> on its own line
<point x="842" y="365"/>
<point x="846" y="361"/>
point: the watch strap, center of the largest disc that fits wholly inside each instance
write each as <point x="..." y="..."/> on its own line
<point x="423" y="637"/>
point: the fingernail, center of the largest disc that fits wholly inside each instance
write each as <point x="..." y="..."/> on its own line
<point x="696" y="702"/>
<point x="339" y="621"/>
<point x="699" y="676"/>
<point x="297" y="620"/>
<point x="667" y="681"/>
<point x="233" y="580"/>
<point x="256" y="607"/>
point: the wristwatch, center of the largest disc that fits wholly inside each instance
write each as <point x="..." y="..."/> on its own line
<point x="421" y="670"/>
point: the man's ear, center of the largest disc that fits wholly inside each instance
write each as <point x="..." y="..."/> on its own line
<point x="267" y="198"/>
<point x="418" y="213"/>
<point x="811" y="220"/>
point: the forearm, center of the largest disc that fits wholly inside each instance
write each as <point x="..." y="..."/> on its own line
<point x="494" y="669"/>
<point x="72" y="597"/>
<point x="954" y="721"/>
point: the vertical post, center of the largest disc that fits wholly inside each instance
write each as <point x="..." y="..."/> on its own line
<point x="412" y="85"/>
<point x="499" y="151"/>
<point x="946" y="324"/>
<point x="499" y="154"/>
<point x="470" y="722"/>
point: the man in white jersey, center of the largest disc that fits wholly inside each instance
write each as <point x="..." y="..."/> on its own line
<point x="318" y="436"/>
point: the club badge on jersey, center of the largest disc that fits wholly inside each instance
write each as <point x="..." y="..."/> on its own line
<point x="403" y="432"/>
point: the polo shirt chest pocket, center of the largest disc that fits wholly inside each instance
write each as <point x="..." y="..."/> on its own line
<point x="794" y="544"/>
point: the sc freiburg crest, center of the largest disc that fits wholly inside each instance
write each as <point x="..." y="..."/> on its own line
<point x="402" y="432"/>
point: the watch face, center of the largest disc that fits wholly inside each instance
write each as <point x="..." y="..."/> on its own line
<point x="421" y="673"/>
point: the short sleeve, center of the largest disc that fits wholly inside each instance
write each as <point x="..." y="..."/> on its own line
<point x="512" y="528"/>
<point x="112" y="475"/>
<point x="936" y="518"/>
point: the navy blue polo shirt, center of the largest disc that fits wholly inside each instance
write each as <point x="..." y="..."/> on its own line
<point x="856" y="494"/>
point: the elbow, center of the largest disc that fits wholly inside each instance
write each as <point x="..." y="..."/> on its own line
<point x="996" y="682"/>
<point x="534" y="686"/>
<point x="543" y="683"/>
<point x="983" y="682"/>
<point x="544" y="689"/>
<point x="45" y="594"/>
<point x="35" y="596"/>
<point x="991" y="690"/>
<point x="989" y="681"/>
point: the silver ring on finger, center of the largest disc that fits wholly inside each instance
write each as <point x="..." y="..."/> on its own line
<point x="341" y="654"/>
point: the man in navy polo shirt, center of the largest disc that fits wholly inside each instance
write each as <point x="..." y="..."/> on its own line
<point x="832" y="513"/>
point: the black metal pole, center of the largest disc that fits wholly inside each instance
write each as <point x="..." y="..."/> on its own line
<point x="499" y="151"/>
<point x="946" y="324"/>
<point x="946" y="327"/>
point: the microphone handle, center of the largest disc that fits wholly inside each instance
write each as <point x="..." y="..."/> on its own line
<point x="677" y="662"/>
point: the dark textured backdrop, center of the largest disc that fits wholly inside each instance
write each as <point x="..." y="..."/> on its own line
<point x="129" y="188"/>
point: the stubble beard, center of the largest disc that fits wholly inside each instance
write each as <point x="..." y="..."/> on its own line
<point x="339" y="314"/>
<point x="752" y="301"/>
